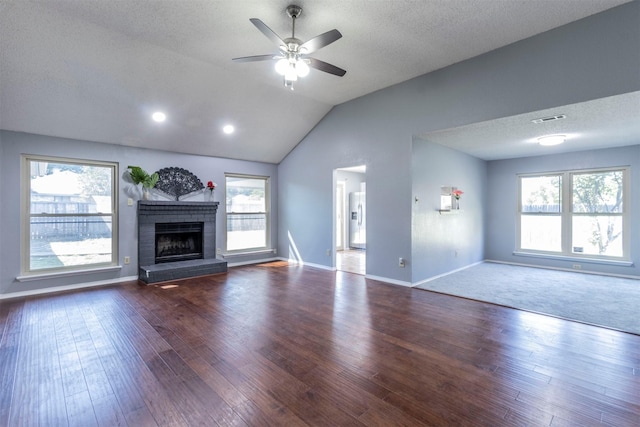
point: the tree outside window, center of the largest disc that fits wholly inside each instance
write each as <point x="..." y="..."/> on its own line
<point x="589" y="222"/>
<point x="597" y="213"/>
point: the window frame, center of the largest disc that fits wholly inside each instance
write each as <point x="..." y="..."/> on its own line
<point x="520" y="214"/>
<point x="26" y="216"/>
<point x="567" y="215"/>
<point x="267" y="213"/>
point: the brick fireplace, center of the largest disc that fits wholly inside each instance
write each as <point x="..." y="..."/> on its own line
<point x="177" y="240"/>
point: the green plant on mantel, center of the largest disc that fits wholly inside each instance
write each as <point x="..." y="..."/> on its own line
<point x="139" y="176"/>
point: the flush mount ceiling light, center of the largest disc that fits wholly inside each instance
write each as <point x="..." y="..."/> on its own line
<point x="551" y="140"/>
<point x="228" y="129"/>
<point x="293" y="61"/>
<point x="159" y="116"/>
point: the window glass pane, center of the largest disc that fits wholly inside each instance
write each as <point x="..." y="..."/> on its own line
<point x="69" y="241"/>
<point x="592" y="223"/>
<point x="597" y="235"/>
<point x="246" y="231"/>
<point x="246" y="207"/>
<point x="541" y="193"/>
<point x="541" y="232"/>
<point x="70" y="188"/>
<point x="65" y="228"/>
<point x="246" y="194"/>
<point x="598" y="192"/>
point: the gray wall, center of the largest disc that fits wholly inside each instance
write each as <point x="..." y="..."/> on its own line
<point x="442" y="242"/>
<point x="502" y="202"/>
<point x="3" y="195"/>
<point x="206" y="168"/>
<point x="588" y="59"/>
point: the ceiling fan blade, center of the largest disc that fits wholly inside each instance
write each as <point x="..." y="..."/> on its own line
<point x="326" y="67"/>
<point x="271" y="35"/>
<point x="320" y="41"/>
<point x="257" y="58"/>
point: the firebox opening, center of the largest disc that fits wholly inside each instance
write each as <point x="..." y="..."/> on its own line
<point x="178" y="241"/>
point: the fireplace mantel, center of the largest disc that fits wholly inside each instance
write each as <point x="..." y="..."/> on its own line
<point x="152" y="212"/>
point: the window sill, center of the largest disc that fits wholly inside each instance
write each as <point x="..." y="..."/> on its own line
<point x="53" y="275"/>
<point x="621" y="263"/>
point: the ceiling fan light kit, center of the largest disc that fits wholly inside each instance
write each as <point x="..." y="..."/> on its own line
<point x="292" y="60"/>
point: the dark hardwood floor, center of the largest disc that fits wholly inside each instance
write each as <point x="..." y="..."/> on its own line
<point x="285" y="345"/>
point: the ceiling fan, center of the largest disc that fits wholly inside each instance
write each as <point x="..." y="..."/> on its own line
<point x="292" y="60"/>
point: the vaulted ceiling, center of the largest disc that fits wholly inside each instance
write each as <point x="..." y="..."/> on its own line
<point x="97" y="70"/>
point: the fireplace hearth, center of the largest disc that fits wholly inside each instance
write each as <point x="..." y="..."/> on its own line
<point x="177" y="240"/>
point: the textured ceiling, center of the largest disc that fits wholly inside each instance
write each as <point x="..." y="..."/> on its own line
<point x="95" y="70"/>
<point x="601" y="123"/>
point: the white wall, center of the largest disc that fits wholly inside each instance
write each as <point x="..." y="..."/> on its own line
<point x="588" y="59"/>
<point x="205" y="168"/>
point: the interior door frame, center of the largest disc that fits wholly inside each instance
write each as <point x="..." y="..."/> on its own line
<point x="340" y="211"/>
<point x="345" y="213"/>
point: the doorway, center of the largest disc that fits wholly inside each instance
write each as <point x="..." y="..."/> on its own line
<point x="350" y="219"/>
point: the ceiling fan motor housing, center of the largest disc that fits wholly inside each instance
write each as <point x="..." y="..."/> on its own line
<point x="293" y="61"/>
<point x="294" y="11"/>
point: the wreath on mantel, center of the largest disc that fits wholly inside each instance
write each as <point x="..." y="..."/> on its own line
<point x="177" y="182"/>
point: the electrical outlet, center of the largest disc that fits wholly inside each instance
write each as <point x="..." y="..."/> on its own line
<point x="127" y="260"/>
<point x="328" y="252"/>
<point x="577" y="267"/>
<point x="129" y="201"/>
<point x="219" y="251"/>
<point x="401" y="262"/>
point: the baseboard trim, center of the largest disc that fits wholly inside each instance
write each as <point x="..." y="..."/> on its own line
<point x="307" y="264"/>
<point x="387" y="280"/>
<point x="253" y="261"/>
<point x="422" y="282"/>
<point x="545" y="267"/>
<point x="68" y="287"/>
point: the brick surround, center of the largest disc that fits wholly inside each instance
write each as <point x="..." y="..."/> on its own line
<point x="151" y="212"/>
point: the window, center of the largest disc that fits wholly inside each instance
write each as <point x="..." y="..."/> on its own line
<point x="70" y="221"/>
<point x="575" y="213"/>
<point x="247" y="213"/>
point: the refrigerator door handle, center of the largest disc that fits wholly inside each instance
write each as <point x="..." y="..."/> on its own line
<point x="359" y="213"/>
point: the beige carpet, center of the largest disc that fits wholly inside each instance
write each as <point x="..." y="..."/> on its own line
<point x="611" y="302"/>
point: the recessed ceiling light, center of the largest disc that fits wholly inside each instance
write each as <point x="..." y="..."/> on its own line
<point x="551" y="140"/>
<point x="159" y="116"/>
<point x="228" y="129"/>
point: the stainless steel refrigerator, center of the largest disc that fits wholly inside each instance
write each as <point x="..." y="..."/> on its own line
<point x="357" y="220"/>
